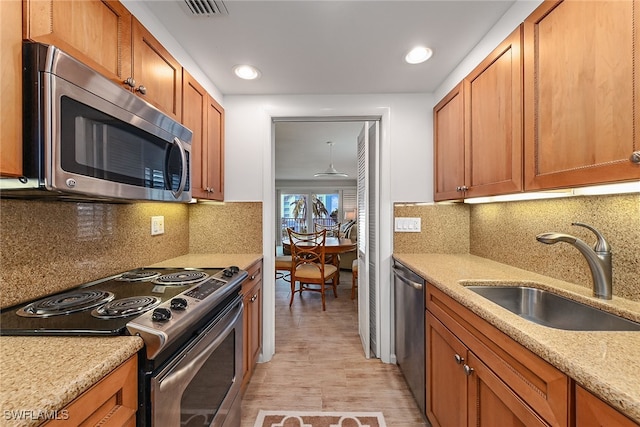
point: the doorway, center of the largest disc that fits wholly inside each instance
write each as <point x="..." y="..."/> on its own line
<point x="298" y="146"/>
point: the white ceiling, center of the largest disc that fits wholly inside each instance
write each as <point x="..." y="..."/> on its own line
<point x="327" y="47"/>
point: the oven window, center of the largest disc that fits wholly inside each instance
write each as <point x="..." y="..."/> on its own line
<point x="206" y="391"/>
<point x="97" y="145"/>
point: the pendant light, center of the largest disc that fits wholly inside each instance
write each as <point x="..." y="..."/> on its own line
<point x="331" y="171"/>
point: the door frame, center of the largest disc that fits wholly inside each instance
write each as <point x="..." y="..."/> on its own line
<point x="384" y="231"/>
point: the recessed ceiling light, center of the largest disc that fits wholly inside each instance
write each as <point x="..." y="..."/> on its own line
<point x="246" y="72"/>
<point x="418" y="55"/>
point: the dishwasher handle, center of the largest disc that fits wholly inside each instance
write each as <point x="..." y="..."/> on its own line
<point x="401" y="274"/>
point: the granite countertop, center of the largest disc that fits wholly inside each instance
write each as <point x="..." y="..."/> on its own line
<point x="46" y="373"/>
<point x="604" y="363"/>
<point x="196" y="260"/>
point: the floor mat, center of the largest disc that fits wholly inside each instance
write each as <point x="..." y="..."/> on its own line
<point x="319" y="419"/>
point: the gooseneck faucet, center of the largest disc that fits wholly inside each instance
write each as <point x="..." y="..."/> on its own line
<point x="598" y="258"/>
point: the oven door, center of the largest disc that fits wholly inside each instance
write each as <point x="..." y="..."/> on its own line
<point x="200" y="385"/>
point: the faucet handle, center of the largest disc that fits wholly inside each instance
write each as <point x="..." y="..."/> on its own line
<point x="601" y="244"/>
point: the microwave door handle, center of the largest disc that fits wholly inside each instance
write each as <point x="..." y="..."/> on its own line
<point x="183" y="178"/>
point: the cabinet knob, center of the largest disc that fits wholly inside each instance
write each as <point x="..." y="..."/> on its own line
<point x="142" y="90"/>
<point x="459" y="359"/>
<point x="129" y="81"/>
<point x="635" y="157"/>
<point x="468" y="370"/>
<point x="253" y="298"/>
<point x="253" y="277"/>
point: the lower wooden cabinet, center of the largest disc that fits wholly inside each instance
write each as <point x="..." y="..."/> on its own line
<point x="112" y="402"/>
<point x="593" y="412"/>
<point x="252" y="321"/>
<point x="478" y="376"/>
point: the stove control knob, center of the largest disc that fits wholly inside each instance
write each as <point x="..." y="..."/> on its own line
<point x="234" y="269"/>
<point x="227" y="273"/>
<point x="161" y="314"/>
<point x="178" y="304"/>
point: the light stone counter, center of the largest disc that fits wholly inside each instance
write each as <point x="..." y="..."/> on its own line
<point x="194" y="260"/>
<point x="40" y="375"/>
<point x="606" y="363"/>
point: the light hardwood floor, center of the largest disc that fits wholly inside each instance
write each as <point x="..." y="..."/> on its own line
<point x="319" y="364"/>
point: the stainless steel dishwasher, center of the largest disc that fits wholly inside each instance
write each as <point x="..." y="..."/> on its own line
<point x="410" y="292"/>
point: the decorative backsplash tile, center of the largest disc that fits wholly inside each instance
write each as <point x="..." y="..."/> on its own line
<point x="505" y="232"/>
<point x="232" y="228"/>
<point x="47" y="247"/>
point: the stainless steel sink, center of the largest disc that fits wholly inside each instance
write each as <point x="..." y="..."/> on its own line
<point x="552" y="310"/>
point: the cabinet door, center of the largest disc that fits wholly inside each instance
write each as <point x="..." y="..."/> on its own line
<point x="215" y="150"/>
<point x="492" y="403"/>
<point x="446" y="382"/>
<point x="194" y="116"/>
<point x="493" y="121"/>
<point x="252" y="328"/>
<point x="158" y="76"/>
<point x="255" y="319"/>
<point x="582" y="86"/>
<point x="96" y="32"/>
<point x="593" y="412"/>
<point x="11" y="87"/>
<point x="449" y="145"/>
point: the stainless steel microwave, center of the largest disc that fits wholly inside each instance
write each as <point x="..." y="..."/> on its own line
<point x="85" y="137"/>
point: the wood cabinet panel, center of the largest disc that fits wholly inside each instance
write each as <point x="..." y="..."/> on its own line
<point x="252" y="321"/>
<point x="112" y="402"/>
<point x="449" y="145"/>
<point x="157" y="74"/>
<point x="582" y="85"/>
<point x="593" y="412"/>
<point x="493" y="403"/>
<point x="493" y="121"/>
<point x="446" y="384"/>
<point x="194" y="116"/>
<point x="544" y="388"/>
<point x="96" y="32"/>
<point x="11" y="87"/>
<point x="215" y="150"/>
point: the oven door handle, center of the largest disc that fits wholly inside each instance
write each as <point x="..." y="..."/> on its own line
<point x="189" y="363"/>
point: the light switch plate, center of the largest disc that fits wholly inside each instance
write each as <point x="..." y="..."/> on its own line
<point x="407" y="225"/>
<point x="157" y="225"/>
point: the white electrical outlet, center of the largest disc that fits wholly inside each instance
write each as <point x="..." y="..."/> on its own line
<point x="407" y="225"/>
<point x="157" y="225"/>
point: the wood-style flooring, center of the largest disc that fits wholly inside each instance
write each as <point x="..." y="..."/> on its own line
<point x="319" y="364"/>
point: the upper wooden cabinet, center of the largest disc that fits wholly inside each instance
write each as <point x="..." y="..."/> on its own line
<point x="105" y="36"/>
<point x="157" y="75"/>
<point x="11" y="87"/>
<point x="582" y="93"/>
<point x="493" y="121"/>
<point x="449" y="146"/>
<point x="96" y="32"/>
<point x="205" y="117"/>
<point x="478" y="128"/>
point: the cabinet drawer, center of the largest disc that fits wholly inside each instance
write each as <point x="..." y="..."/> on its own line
<point x="255" y="277"/>
<point x="545" y="389"/>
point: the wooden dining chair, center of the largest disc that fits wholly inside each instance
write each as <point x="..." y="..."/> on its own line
<point x="310" y="271"/>
<point x="332" y="230"/>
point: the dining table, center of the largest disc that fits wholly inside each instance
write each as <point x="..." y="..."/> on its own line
<point x="333" y="246"/>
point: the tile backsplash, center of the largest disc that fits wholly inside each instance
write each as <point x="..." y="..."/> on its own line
<point x="47" y="247"/>
<point x="505" y="232"/>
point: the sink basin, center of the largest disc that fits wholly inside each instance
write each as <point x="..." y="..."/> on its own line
<point x="552" y="310"/>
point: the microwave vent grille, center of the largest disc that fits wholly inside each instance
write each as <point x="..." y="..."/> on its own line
<point x="207" y="7"/>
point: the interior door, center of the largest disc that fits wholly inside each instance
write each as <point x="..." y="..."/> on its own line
<point x="368" y="253"/>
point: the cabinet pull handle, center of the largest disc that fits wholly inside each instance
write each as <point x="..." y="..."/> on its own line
<point x="635" y="157"/>
<point x="459" y="359"/>
<point x="142" y="90"/>
<point x="129" y="81"/>
<point x="468" y="370"/>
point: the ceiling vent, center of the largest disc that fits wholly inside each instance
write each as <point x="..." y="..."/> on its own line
<point x="207" y="7"/>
